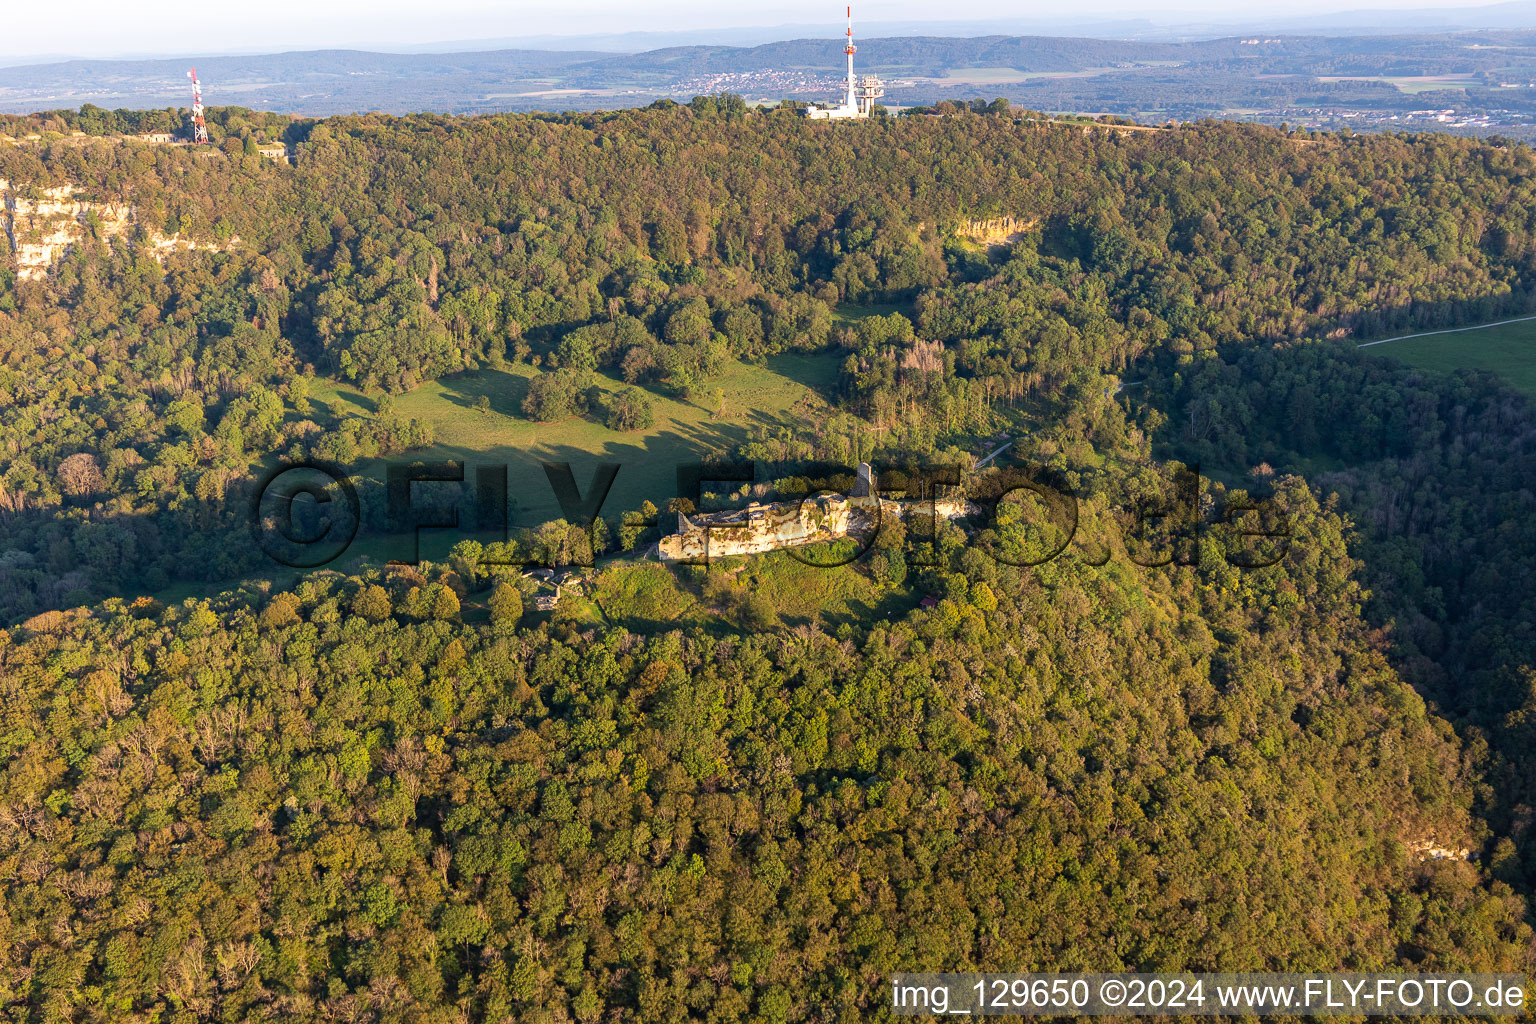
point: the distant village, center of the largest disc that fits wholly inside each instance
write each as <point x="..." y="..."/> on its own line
<point x="1437" y="120"/>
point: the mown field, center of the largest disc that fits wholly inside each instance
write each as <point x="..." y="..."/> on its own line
<point x="782" y="389"/>
<point x="715" y="420"/>
<point x="1508" y="350"/>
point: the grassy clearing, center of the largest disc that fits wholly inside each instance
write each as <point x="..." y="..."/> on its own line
<point x="1003" y="76"/>
<point x="575" y="609"/>
<point x="986" y="76"/>
<point x="1408" y="84"/>
<point x="802" y="593"/>
<point x="644" y="595"/>
<point x="648" y="596"/>
<point x="779" y="390"/>
<point x="1415" y="84"/>
<point x="783" y="389"/>
<point x="847" y="313"/>
<point x="1508" y="350"/>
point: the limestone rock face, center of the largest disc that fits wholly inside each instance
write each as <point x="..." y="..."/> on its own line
<point x="1430" y="849"/>
<point x="996" y="231"/>
<point x="41" y="225"/>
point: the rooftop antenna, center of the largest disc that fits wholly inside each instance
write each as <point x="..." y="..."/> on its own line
<point x="851" y="101"/>
<point x="200" y="128"/>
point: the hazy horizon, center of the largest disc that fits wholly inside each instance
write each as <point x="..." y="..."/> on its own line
<point x="175" y="28"/>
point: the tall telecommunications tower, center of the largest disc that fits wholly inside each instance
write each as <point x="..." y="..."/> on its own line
<point x="200" y="128"/>
<point x="852" y="101"/>
<point x="859" y="99"/>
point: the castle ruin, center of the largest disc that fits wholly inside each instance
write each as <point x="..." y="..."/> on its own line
<point x="761" y="528"/>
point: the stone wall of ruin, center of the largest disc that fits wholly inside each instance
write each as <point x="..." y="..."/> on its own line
<point x="762" y="528"/>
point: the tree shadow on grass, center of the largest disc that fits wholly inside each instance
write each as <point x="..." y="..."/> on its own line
<point x="817" y="371"/>
<point x="504" y="389"/>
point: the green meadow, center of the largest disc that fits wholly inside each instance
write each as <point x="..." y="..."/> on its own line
<point x="1507" y="349"/>
<point x="848" y="313"/>
<point x="720" y="417"/>
<point x="782" y="389"/>
<point x="649" y="596"/>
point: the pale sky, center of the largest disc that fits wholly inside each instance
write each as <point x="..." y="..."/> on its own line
<point x="99" y="28"/>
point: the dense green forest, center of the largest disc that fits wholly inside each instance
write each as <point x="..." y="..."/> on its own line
<point x="332" y="806"/>
<point x="397" y="793"/>
<point x="655" y="244"/>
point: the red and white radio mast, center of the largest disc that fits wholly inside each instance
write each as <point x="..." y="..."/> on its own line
<point x="850" y="49"/>
<point x="199" y="127"/>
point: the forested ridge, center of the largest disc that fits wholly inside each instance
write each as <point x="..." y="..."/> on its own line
<point x="336" y="808"/>
<point x="397" y="794"/>
<point x="656" y="244"/>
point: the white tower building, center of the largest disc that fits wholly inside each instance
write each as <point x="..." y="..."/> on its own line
<point x="851" y="101"/>
<point x="860" y="95"/>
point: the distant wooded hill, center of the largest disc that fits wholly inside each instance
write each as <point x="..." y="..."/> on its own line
<point x="1373" y="74"/>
